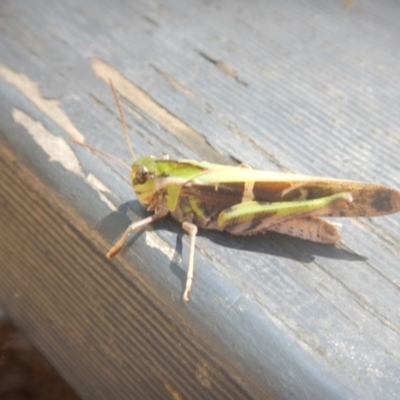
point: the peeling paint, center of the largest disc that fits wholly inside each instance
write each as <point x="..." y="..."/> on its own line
<point x="155" y="242"/>
<point x="49" y="107"/>
<point x="100" y="188"/>
<point x="54" y="146"/>
<point x="58" y="150"/>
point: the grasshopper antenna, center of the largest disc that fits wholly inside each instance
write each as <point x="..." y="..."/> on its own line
<point x="103" y="153"/>
<point x="121" y="115"/>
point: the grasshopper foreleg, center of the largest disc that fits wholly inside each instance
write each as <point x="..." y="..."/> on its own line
<point x="133" y="227"/>
<point x="191" y="229"/>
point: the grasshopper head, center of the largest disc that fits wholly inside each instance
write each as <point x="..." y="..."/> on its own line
<point x="142" y="178"/>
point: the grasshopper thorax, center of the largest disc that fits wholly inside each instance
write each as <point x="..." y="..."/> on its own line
<point x="142" y="178"/>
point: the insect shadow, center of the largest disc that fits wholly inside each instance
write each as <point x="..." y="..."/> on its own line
<point x="273" y="244"/>
<point x="280" y="245"/>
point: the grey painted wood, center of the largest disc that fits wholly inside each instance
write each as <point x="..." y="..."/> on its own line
<point x="309" y="88"/>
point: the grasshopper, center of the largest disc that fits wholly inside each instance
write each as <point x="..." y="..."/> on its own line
<point x="245" y="201"/>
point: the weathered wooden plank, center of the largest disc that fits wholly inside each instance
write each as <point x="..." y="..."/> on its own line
<point x="292" y="87"/>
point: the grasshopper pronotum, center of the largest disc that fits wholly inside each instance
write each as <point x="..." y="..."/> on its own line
<point x="244" y="201"/>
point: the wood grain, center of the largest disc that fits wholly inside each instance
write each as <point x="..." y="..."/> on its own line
<point x="303" y="88"/>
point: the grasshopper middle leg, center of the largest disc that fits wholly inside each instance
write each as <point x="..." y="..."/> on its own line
<point x="191" y="229"/>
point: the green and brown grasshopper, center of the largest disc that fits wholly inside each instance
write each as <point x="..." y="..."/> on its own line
<point x="244" y="201"/>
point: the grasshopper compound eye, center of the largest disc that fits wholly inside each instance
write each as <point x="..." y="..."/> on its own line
<point x="142" y="175"/>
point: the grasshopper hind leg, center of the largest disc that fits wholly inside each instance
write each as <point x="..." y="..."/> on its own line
<point x="309" y="228"/>
<point x="296" y="218"/>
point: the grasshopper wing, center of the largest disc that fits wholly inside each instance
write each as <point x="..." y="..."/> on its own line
<point x="368" y="199"/>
